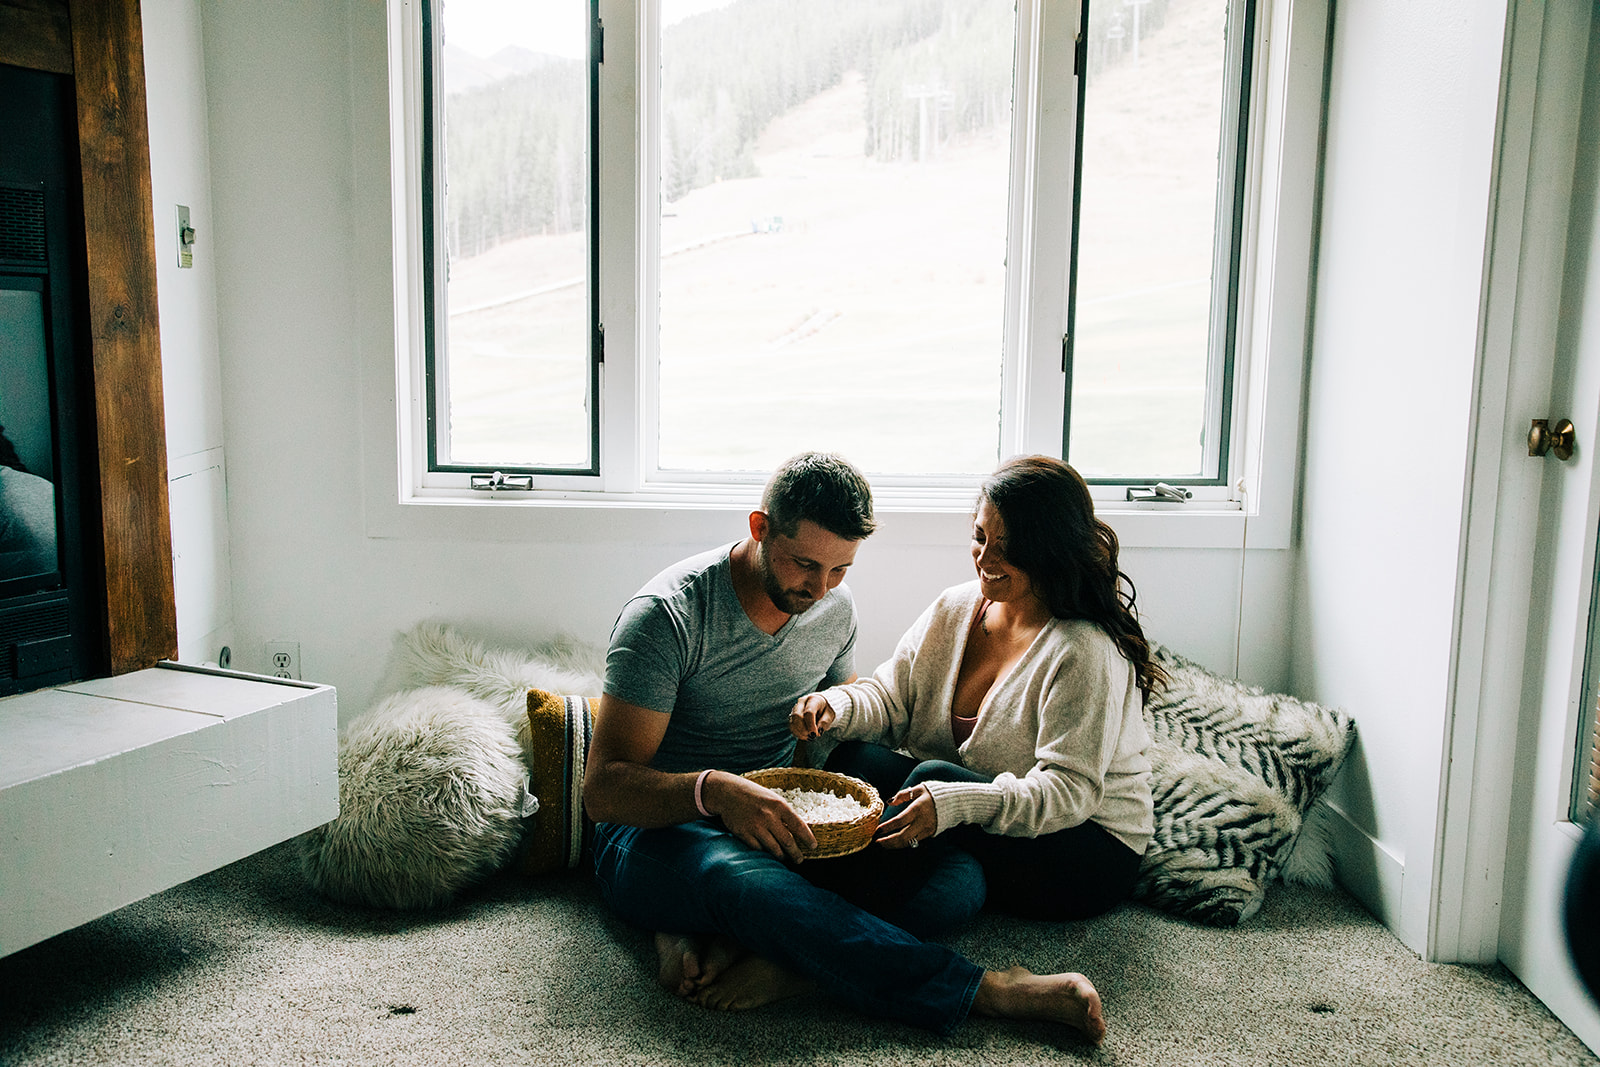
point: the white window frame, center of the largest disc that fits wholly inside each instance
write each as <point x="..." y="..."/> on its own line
<point x="1273" y="298"/>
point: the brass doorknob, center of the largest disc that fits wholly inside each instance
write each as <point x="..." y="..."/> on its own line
<point x="1542" y="438"/>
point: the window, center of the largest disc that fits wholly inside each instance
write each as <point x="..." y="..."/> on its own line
<point x="511" y="374"/>
<point x="1154" y="308"/>
<point x="874" y="228"/>
<point x="833" y="185"/>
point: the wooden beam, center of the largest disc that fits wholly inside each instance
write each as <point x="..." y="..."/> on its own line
<point x="36" y="34"/>
<point x="119" y="229"/>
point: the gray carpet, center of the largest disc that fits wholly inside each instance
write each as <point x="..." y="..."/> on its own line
<point x="246" y="966"/>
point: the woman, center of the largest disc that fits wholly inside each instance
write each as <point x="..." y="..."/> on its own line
<point x="1019" y="697"/>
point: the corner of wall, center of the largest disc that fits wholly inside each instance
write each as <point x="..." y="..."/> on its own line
<point x="1372" y="872"/>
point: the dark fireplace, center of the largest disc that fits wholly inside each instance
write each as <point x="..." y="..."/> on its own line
<point x="51" y="589"/>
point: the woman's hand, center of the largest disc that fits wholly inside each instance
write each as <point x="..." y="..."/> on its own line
<point x="913" y="824"/>
<point x="812" y="715"/>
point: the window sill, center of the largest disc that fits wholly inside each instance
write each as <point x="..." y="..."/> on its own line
<point x="700" y="518"/>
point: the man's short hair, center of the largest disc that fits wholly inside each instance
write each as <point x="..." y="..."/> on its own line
<point x="824" y="488"/>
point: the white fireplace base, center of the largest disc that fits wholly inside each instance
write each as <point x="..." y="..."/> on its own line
<point x="117" y="788"/>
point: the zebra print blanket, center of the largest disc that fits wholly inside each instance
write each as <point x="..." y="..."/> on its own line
<point x="1235" y="771"/>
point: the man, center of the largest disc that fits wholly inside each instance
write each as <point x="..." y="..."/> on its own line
<point x="705" y="664"/>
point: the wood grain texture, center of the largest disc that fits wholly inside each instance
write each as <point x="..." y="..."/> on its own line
<point x="36" y="34"/>
<point x="108" y="61"/>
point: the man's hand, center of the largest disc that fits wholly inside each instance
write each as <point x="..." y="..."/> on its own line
<point x="757" y="816"/>
<point x="811" y="716"/>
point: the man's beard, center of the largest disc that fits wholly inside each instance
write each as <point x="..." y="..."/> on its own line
<point x="789" y="601"/>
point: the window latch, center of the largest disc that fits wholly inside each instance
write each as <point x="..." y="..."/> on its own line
<point x="1161" y="493"/>
<point x="498" y="482"/>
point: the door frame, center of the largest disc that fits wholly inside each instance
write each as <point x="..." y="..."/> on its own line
<point x="1541" y="100"/>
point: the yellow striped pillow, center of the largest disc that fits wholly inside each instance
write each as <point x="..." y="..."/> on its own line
<point x="557" y="744"/>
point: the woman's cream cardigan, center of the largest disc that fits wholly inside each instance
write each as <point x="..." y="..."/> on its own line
<point x="1062" y="733"/>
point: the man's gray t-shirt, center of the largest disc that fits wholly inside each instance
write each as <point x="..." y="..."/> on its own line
<point x="685" y="646"/>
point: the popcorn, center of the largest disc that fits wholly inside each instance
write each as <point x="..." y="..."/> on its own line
<point x="816" y="807"/>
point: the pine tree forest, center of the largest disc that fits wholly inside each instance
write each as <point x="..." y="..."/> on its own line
<point x="515" y="148"/>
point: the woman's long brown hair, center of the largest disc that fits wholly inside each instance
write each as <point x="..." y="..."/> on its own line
<point x="1069" y="555"/>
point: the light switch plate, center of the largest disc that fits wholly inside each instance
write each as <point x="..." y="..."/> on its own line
<point x="185" y="238"/>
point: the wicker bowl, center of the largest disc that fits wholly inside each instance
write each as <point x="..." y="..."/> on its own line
<point x="833" y="838"/>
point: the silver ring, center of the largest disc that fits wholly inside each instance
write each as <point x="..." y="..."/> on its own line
<point x="913" y="842"/>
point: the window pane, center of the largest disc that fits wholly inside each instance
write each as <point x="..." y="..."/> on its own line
<point x="1586" y="771"/>
<point x="515" y="354"/>
<point x="1147" y="237"/>
<point x="834" y="183"/>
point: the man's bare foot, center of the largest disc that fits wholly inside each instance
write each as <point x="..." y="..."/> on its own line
<point x="688" y="961"/>
<point x="750" y="983"/>
<point x="1018" y="993"/>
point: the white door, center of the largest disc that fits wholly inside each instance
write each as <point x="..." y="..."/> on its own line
<point x="1562" y="653"/>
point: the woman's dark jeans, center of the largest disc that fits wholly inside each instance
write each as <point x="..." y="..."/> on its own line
<point x="1075" y="873"/>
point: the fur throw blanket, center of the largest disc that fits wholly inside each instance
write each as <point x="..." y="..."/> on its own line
<point x="433" y="780"/>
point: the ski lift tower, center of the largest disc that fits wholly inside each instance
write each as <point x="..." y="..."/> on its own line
<point x="928" y="116"/>
<point x="1113" y="39"/>
<point x="1138" y="6"/>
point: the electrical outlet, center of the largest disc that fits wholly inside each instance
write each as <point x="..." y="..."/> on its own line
<point x="283" y="659"/>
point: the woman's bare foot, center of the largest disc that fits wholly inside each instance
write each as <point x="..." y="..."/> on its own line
<point x="1018" y="993"/>
<point x="750" y="983"/>
<point x="688" y="962"/>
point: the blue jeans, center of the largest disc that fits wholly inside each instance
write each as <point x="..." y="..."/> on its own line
<point x="696" y="878"/>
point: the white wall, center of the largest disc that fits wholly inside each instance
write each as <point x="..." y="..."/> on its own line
<point x="1410" y="145"/>
<point x="180" y="173"/>
<point x="299" y="151"/>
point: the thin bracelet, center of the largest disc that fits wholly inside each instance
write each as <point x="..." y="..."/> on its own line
<point x="699" y="784"/>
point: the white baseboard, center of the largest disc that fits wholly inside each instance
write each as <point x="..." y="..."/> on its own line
<point x="1372" y="871"/>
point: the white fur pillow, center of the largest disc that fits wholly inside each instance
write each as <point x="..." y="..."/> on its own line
<point x="433" y="653"/>
<point x="432" y="791"/>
